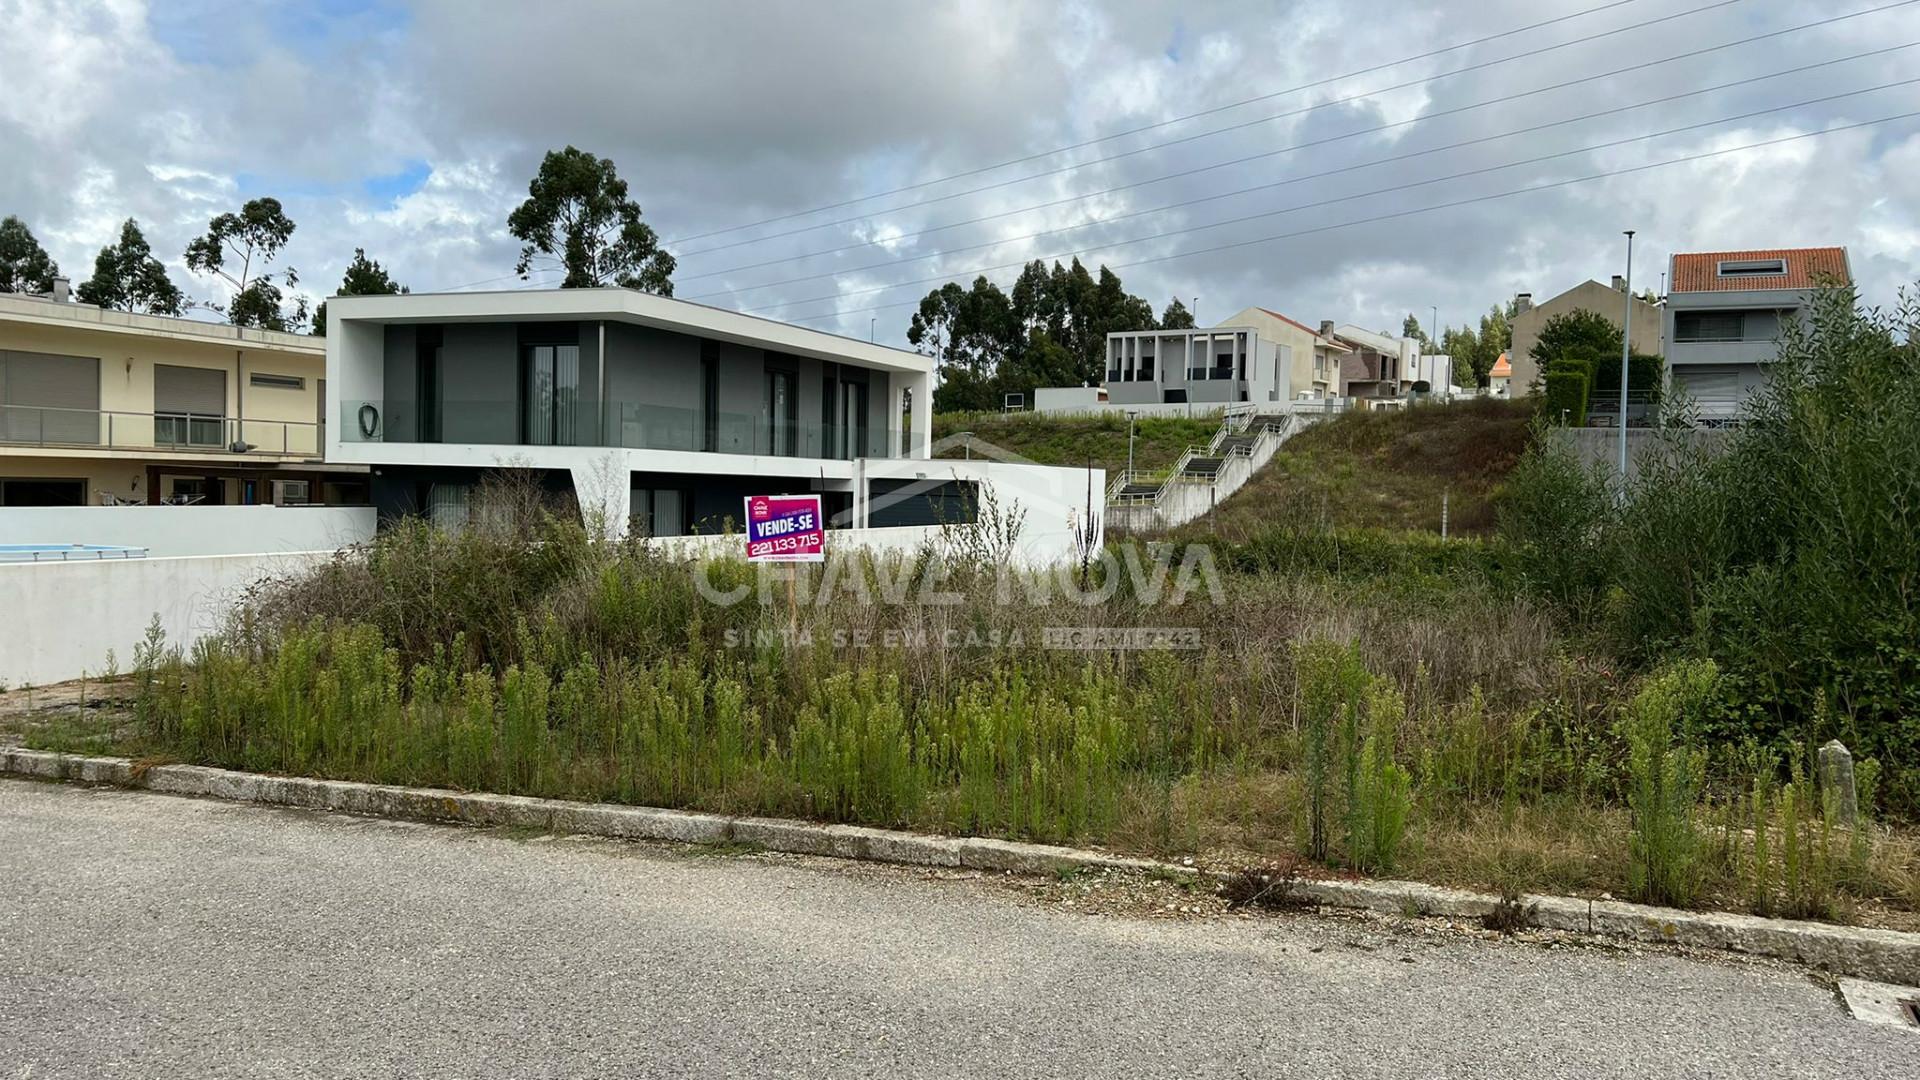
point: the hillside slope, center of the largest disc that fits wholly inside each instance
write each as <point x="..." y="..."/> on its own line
<point x="1384" y="470"/>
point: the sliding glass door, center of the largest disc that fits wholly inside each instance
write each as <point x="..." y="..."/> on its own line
<point x="553" y="395"/>
<point x="783" y="414"/>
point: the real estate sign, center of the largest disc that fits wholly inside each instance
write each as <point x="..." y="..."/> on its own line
<point x="785" y="528"/>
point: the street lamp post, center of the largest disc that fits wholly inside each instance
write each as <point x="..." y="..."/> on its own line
<point x="1433" y="344"/>
<point x="1131" y="413"/>
<point x="1626" y="346"/>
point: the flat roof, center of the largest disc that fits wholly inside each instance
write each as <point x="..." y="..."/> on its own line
<point x="622" y="305"/>
<point x="39" y="311"/>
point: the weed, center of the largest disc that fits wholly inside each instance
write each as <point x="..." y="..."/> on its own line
<point x="1271" y="888"/>
<point x="1509" y="915"/>
<point x="1666" y="778"/>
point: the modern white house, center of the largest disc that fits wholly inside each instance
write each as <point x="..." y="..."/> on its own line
<point x="1724" y="314"/>
<point x="662" y="414"/>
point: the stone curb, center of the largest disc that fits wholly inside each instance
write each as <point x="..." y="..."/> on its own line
<point x="1883" y="955"/>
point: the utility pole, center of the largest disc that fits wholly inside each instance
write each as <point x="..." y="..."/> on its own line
<point x="1196" y="311"/>
<point x="871" y="323"/>
<point x="1626" y="350"/>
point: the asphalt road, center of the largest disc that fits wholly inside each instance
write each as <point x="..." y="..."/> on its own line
<point x="148" y="935"/>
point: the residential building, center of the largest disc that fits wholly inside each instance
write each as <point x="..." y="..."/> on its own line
<point x="664" y="414"/>
<point x="1379" y="366"/>
<point x="1313" y="356"/>
<point x="1256" y="357"/>
<point x="1500" y="378"/>
<point x="1724" y="314"/>
<point x="102" y="406"/>
<point x="1608" y="302"/>
<point x="1218" y="366"/>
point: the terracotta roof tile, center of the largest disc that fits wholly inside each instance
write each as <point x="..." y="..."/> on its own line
<point x="1295" y="322"/>
<point x="1699" y="271"/>
<point x="1501" y="367"/>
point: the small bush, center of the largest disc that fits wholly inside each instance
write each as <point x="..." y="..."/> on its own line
<point x="1666" y="776"/>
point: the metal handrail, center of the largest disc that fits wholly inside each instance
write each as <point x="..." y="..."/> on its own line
<point x="123" y="429"/>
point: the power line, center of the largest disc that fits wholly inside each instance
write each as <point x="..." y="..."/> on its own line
<point x="1395" y="215"/>
<point x="1162" y="123"/>
<point x="1183" y="139"/>
<point x="502" y="277"/>
<point x="1262" y="187"/>
<point x="1349" y="197"/>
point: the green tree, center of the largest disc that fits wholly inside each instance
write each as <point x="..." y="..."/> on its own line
<point x="364" y="277"/>
<point x="254" y="237"/>
<point x="1051" y="330"/>
<point x="25" y="266"/>
<point x="1176" y="316"/>
<point x="578" y="214"/>
<point x="1410" y="328"/>
<point x="969" y="333"/>
<point x="1495" y="337"/>
<point x="127" y="277"/>
<point x="1576" y="335"/>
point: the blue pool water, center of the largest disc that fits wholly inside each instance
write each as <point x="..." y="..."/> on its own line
<point x="68" y="552"/>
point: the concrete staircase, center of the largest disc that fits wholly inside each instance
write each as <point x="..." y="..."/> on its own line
<point x="1203" y="476"/>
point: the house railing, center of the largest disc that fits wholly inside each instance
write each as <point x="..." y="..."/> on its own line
<point x="114" y="429"/>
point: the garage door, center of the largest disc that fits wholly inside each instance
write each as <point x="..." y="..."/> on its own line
<point x="1716" y="391"/>
<point x="189" y="403"/>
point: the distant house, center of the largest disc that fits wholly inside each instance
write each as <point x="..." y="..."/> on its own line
<point x="1379" y="367"/>
<point x="1529" y="320"/>
<point x="1314" y="357"/>
<point x="1500" y="378"/>
<point x="1725" y="311"/>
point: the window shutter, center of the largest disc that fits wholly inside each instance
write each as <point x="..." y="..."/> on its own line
<point x="40" y="387"/>
<point x="197" y="391"/>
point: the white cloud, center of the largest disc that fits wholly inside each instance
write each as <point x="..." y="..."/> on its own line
<point x="113" y="112"/>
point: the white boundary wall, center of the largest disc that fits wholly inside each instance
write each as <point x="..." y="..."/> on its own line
<point x="167" y="531"/>
<point x="58" y="620"/>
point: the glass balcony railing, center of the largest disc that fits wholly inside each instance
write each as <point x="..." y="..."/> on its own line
<point x="106" y="429"/>
<point x="630" y="425"/>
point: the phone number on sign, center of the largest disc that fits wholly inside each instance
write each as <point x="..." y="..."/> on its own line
<point x="783" y="545"/>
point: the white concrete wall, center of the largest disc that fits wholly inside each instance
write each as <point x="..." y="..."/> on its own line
<point x="1054" y="407"/>
<point x="167" y="531"/>
<point x="61" y="619"/>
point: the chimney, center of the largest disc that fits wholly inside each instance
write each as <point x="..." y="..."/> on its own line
<point x="60" y="291"/>
<point x="1326" y="327"/>
<point x="1619" y="283"/>
<point x="1522" y="303"/>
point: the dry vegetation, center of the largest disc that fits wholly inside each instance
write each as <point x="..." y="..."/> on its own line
<point x="1384" y="470"/>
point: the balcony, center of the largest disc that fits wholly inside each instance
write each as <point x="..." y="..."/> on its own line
<point x="633" y="426"/>
<point x="103" y="429"/>
<point x="1723" y="352"/>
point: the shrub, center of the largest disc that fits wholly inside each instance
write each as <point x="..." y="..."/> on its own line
<point x="1565" y="401"/>
<point x="1666" y="775"/>
<point x="1556" y="510"/>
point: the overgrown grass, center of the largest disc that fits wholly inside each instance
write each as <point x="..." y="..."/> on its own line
<point x="1384" y="470"/>
<point x="1080" y="441"/>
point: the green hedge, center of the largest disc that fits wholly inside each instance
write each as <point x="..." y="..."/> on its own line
<point x="1566" y="395"/>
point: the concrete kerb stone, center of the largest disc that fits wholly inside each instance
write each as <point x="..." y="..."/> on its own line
<point x="1882" y="955"/>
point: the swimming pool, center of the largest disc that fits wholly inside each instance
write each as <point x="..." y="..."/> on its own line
<point x="68" y="552"/>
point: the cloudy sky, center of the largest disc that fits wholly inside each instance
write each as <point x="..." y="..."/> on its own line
<point x="1327" y="150"/>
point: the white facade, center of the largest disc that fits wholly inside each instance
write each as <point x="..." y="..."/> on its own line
<point x="660" y="413"/>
